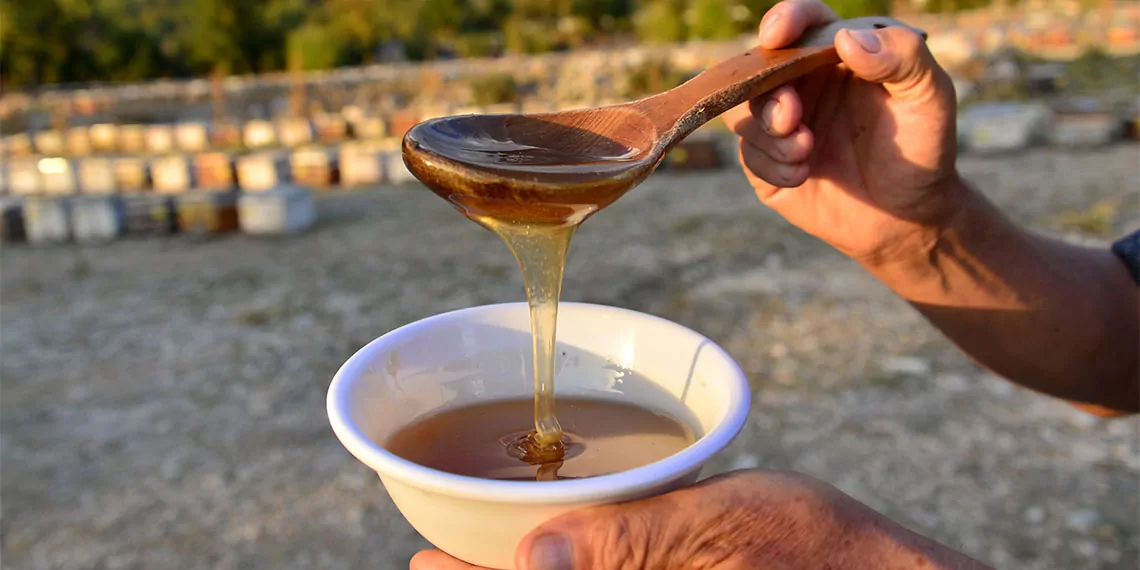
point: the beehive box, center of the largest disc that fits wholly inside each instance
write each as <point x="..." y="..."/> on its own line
<point x="395" y="171"/>
<point x="132" y="139"/>
<point x="282" y="210"/>
<point x="159" y="139"/>
<point x="149" y="214"/>
<point x="97" y="218"/>
<point x="104" y="137"/>
<point x="57" y="176"/>
<point x="12" y="228"/>
<point x="400" y="123"/>
<point x="78" y="141"/>
<point x="18" y="145"/>
<point x="46" y="219"/>
<point x="225" y="135"/>
<point x="49" y="143"/>
<point x="258" y="134"/>
<point x="369" y="127"/>
<point x="214" y="171"/>
<point x="1084" y="130"/>
<point x="171" y="174"/>
<point x="360" y="165"/>
<point x="97" y="176"/>
<point x="207" y="213"/>
<point x="262" y="170"/>
<point x="314" y="167"/>
<point x="294" y="131"/>
<point x="1003" y="127"/>
<point x="330" y="128"/>
<point x="190" y="137"/>
<point x="130" y="175"/>
<point x="24" y="176"/>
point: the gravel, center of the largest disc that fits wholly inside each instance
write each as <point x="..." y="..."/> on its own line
<point x="163" y="399"/>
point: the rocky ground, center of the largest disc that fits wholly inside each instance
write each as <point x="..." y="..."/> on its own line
<point x="163" y="400"/>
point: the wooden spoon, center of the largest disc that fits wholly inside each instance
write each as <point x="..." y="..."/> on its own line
<point x="557" y="168"/>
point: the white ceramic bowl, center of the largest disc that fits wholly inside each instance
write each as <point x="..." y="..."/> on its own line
<point x="484" y="354"/>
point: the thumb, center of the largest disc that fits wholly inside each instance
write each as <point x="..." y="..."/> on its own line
<point x="600" y="538"/>
<point x="897" y="58"/>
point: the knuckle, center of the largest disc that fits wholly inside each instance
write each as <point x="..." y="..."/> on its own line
<point x="622" y="543"/>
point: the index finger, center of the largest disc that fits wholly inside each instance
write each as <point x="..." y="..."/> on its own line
<point x="786" y="21"/>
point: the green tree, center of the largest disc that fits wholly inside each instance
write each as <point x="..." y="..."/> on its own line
<point x="659" y="21"/>
<point x="857" y="8"/>
<point x="713" y="20"/>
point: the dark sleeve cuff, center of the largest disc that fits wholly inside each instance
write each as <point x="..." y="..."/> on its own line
<point x="1128" y="250"/>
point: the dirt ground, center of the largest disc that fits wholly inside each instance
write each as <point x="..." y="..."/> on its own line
<point x="162" y="400"/>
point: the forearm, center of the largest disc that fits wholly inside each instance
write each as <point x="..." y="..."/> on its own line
<point x="1057" y="318"/>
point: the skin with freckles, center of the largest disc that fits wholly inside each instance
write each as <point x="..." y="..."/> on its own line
<point x="862" y="156"/>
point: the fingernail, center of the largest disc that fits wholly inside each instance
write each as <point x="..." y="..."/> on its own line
<point x="551" y="552"/>
<point x="766" y="25"/>
<point x="866" y="40"/>
<point x="768" y="114"/>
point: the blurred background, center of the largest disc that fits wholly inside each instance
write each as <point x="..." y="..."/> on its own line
<point x="204" y="213"/>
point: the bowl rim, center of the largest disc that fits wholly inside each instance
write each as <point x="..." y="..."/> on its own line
<point x="624" y="483"/>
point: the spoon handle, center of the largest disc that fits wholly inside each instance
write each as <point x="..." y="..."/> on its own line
<point x="679" y="111"/>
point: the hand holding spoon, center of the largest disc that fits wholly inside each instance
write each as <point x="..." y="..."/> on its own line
<point x="562" y="167"/>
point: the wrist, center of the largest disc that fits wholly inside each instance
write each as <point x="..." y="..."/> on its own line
<point x="966" y="240"/>
<point x="883" y="544"/>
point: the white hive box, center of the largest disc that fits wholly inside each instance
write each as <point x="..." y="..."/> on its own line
<point x="294" y="131"/>
<point x="314" y="167"/>
<point x="279" y="211"/>
<point x="130" y="174"/>
<point x="191" y="137"/>
<point x="360" y="165"/>
<point x="97" y="176"/>
<point x="49" y="142"/>
<point x="46" y="219"/>
<point x="24" y="176"/>
<point x="1090" y="126"/>
<point x="262" y="170"/>
<point x="97" y="218"/>
<point x="149" y="214"/>
<point x="17" y="145"/>
<point x="132" y="139"/>
<point x="1003" y="127"/>
<point x="171" y="174"/>
<point x="369" y="127"/>
<point x="78" y="141"/>
<point x="395" y="171"/>
<point x="258" y="134"/>
<point x="104" y="137"/>
<point x="159" y="139"/>
<point x="330" y="127"/>
<point x="214" y="171"/>
<point x="57" y="176"/>
<point x="225" y="135"/>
